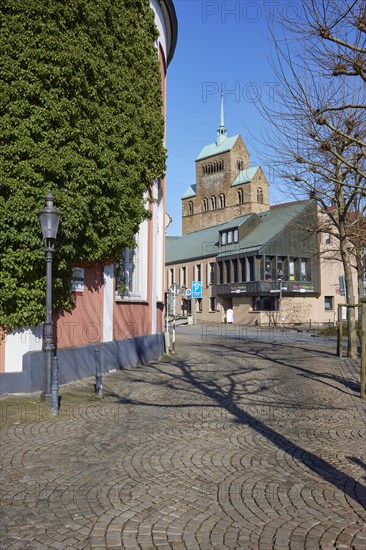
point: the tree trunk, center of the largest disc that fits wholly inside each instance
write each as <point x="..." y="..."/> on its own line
<point x="360" y="281"/>
<point x="352" y="333"/>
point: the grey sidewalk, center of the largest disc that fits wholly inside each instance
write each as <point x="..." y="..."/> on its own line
<point x="232" y="443"/>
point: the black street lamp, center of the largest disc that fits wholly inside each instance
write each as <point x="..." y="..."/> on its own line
<point x="49" y="218"/>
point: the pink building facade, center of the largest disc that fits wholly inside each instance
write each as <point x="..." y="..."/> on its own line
<point x="118" y="326"/>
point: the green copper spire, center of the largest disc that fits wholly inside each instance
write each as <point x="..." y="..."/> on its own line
<point x="221" y="131"/>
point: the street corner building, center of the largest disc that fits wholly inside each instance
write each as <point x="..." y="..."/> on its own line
<point x="119" y="327"/>
<point x="265" y="265"/>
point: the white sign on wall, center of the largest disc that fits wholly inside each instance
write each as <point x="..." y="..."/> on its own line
<point x="77" y="281"/>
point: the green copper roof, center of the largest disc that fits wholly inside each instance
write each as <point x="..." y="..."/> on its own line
<point x="245" y="176"/>
<point x="191" y="192"/>
<point x="199" y="244"/>
<point x="214" y="149"/>
<point x="205" y="242"/>
<point x="272" y="222"/>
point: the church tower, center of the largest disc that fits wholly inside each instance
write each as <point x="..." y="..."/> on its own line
<point x="226" y="185"/>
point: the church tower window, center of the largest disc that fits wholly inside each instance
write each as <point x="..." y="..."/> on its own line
<point x="240" y="196"/>
<point x="205" y="204"/>
<point x="260" y="195"/>
<point x="213" y="202"/>
<point x="222" y="200"/>
<point x="190" y="208"/>
<point x="240" y="164"/>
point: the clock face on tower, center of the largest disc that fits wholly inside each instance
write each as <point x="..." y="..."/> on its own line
<point x="168" y="220"/>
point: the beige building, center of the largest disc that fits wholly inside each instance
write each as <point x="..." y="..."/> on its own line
<point x="264" y="263"/>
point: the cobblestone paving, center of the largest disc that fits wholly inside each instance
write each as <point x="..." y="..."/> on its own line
<point x="231" y="444"/>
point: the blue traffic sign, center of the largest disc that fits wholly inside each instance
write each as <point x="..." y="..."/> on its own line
<point x="196" y="289"/>
<point x="188" y="293"/>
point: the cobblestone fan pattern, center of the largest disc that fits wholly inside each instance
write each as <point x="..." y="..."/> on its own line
<point x="230" y="444"/>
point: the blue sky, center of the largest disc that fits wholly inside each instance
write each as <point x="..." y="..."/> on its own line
<point x="219" y="44"/>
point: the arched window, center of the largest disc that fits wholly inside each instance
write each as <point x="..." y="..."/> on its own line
<point x="240" y="196"/>
<point x="260" y="195"/>
<point x="190" y="208"/>
<point x="222" y="200"/>
<point x="213" y="202"/>
<point x="205" y="204"/>
<point x="240" y="164"/>
<point x="203" y="170"/>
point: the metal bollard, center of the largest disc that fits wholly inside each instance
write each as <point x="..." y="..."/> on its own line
<point x="54" y="385"/>
<point x="98" y="375"/>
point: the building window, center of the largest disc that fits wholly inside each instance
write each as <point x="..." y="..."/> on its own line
<point x="291" y="269"/>
<point x="328" y="303"/>
<point x="222" y="200"/>
<point x="229" y="237"/>
<point x="268" y="268"/>
<point x="240" y="196"/>
<point x="171" y="277"/>
<point x="265" y="303"/>
<point x="184" y="276"/>
<point x="227" y="271"/>
<point x="235" y="270"/>
<point x="205" y="204"/>
<point x="260" y="195"/>
<point x="213" y="203"/>
<point x="198" y="272"/>
<point x="243" y="270"/>
<point x="212" y="304"/>
<point x="221" y="273"/>
<point x="251" y="268"/>
<point x="190" y="208"/>
<point x="240" y="164"/>
<point x="131" y="270"/>
<point x="302" y="269"/>
<point x="280" y="275"/>
<point x="199" y="304"/>
<point x="211" y="279"/>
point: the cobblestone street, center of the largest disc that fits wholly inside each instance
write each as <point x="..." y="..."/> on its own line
<point x="231" y="443"/>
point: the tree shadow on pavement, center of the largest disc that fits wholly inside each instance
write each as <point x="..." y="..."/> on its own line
<point x="320" y="377"/>
<point x="225" y="397"/>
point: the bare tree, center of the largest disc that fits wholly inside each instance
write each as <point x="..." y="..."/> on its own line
<point x="318" y="137"/>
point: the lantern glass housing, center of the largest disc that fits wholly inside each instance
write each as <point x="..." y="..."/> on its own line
<point x="49" y="218"/>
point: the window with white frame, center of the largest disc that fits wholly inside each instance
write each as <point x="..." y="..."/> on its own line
<point x="131" y="270"/>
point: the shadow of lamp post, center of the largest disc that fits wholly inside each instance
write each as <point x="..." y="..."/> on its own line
<point x="49" y="218"/>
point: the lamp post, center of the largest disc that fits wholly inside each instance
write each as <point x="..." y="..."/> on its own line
<point x="49" y="218"/>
